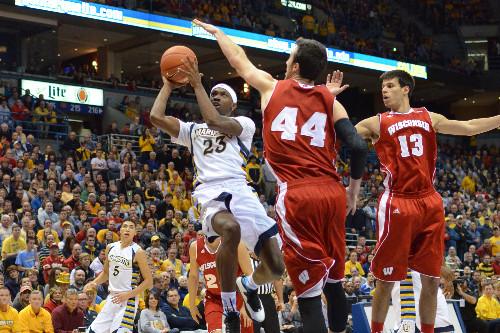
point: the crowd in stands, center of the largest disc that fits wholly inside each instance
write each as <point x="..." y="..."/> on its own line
<point x="61" y="206"/>
<point x="370" y="27"/>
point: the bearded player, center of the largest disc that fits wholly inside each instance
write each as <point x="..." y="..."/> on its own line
<point x="410" y="216"/>
<point x="301" y="122"/>
<point x="202" y="256"/>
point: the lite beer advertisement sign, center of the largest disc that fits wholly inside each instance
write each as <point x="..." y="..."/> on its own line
<point x="64" y="93"/>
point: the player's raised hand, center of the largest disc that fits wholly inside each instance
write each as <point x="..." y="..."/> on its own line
<point x="334" y="83"/>
<point x="195" y="313"/>
<point x="208" y="27"/>
<point x="191" y="71"/>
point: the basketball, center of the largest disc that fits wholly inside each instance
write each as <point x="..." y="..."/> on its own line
<point x="171" y="60"/>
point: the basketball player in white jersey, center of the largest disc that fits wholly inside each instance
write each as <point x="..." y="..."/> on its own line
<point x="125" y="263"/>
<point x="405" y="303"/>
<point x="229" y="207"/>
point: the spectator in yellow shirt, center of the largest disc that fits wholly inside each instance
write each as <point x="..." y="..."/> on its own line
<point x="34" y="318"/>
<point x="495" y="241"/>
<point x="101" y="234"/>
<point x="146" y="143"/>
<point x="488" y="308"/>
<point x="92" y="206"/>
<point x="9" y="318"/>
<point x="308" y="24"/>
<point x="180" y="202"/>
<point x="353" y="263"/>
<point x="12" y="245"/>
<point x="173" y="262"/>
<point x="468" y="183"/>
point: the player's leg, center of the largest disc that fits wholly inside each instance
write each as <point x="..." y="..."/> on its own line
<point x="104" y="320"/>
<point x="225" y="225"/>
<point x="334" y="239"/>
<point x="428" y="303"/>
<point x="380" y="304"/>
<point x="390" y="262"/>
<point x="426" y="256"/>
<point x="271" y="265"/>
<point x="213" y="315"/>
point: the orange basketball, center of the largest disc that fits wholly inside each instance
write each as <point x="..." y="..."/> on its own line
<point x="171" y="60"/>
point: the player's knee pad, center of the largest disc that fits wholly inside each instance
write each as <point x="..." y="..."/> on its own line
<point x="311" y="311"/>
<point x="337" y="306"/>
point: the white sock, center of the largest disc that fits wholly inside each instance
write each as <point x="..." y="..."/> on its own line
<point x="250" y="283"/>
<point x="229" y="301"/>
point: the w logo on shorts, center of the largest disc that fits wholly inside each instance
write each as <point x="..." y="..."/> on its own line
<point x="388" y="270"/>
<point x="304" y="277"/>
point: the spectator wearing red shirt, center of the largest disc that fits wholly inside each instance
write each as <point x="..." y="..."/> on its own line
<point x="67" y="317"/>
<point x="485" y="249"/>
<point x="74" y="260"/>
<point x="189" y="234"/>
<point x="19" y="111"/>
<point x="82" y="234"/>
<point x="52" y="261"/>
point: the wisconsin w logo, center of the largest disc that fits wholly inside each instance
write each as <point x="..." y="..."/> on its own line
<point x="388" y="270"/>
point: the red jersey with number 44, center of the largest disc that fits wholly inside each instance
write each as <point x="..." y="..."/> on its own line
<point x="298" y="132"/>
<point x="407" y="151"/>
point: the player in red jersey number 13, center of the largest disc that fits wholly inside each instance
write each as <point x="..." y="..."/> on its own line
<point x="410" y="215"/>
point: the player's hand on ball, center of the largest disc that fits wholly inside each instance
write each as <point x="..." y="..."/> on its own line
<point x="208" y="27"/>
<point x="195" y="313"/>
<point x="191" y="71"/>
<point x="172" y="85"/>
<point x="120" y="298"/>
<point x="334" y="83"/>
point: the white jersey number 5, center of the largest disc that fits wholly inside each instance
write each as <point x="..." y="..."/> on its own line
<point x="314" y="127"/>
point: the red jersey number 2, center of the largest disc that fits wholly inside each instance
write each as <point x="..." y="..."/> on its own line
<point x="314" y="127"/>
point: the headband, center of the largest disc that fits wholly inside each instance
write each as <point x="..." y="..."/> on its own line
<point x="228" y="89"/>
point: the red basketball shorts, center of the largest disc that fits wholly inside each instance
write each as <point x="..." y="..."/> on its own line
<point x="311" y="219"/>
<point x="410" y="234"/>
<point x="214" y="313"/>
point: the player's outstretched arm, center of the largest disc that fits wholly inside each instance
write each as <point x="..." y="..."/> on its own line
<point x="359" y="151"/>
<point x="260" y="80"/>
<point x="211" y="116"/>
<point x="168" y="124"/>
<point x="193" y="282"/>
<point x="444" y="125"/>
<point x="369" y="128"/>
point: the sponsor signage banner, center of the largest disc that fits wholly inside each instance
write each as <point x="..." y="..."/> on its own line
<point x="64" y="93"/>
<point x="185" y="27"/>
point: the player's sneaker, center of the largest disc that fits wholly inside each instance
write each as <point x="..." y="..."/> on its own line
<point x="252" y="300"/>
<point x="232" y="322"/>
<point x="407" y="326"/>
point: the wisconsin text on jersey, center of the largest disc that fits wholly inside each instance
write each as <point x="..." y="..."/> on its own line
<point x="409" y="123"/>
<point x="207" y="265"/>
<point x="121" y="260"/>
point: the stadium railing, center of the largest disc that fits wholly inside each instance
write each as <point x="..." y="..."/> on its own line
<point x="40" y="130"/>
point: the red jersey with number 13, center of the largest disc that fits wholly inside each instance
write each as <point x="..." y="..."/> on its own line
<point x="298" y="132"/>
<point x="407" y="151"/>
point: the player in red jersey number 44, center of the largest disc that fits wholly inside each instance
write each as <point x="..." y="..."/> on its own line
<point x="301" y="123"/>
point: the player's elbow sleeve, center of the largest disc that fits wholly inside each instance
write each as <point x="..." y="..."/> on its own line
<point x="359" y="149"/>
